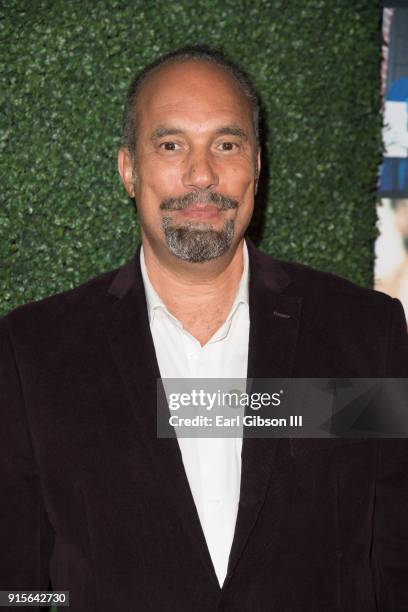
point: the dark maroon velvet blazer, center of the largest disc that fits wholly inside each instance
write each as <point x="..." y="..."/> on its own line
<point x="94" y="503"/>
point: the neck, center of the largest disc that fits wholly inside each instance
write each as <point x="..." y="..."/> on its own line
<point x="200" y="295"/>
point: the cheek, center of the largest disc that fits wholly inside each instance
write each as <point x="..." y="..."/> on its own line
<point x="241" y="185"/>
<point x="239" y="174"/>
<point x="161" y="179"/>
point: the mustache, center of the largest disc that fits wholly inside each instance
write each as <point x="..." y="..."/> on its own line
<point x="221" y="201"/>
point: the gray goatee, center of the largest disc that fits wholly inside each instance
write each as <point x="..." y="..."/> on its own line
<point x="197" y="242"/>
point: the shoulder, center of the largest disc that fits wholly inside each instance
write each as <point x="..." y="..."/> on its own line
<point x="356" y="328"/>
<point x="328" y="299"/>
<point x="344" y="298"/>
<point x="76" y="307"/>
<point x="311" y="281"/>
<point x="308" y="282"/>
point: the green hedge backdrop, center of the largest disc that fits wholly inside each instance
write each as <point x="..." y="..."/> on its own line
<point x="65" y="66"/>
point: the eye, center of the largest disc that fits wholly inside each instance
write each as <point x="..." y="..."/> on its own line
<point x="228" y="146"/>
<point x="169" y="146"/>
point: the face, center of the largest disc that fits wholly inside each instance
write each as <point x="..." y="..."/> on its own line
<point x="196" y="166"/>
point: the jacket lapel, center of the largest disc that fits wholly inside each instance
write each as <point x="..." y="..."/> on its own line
<point x="274" y="323"/>
<point x="130" y="340"/>
<point x="274" y="319"/>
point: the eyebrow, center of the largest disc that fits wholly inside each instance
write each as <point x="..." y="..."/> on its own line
<point x="227" y="130"/>
<point x="162" y="131"/>
<point x="232" y="130"/>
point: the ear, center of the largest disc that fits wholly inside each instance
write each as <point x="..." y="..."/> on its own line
<point x="257" y="169"/>
<point x="125" y="169"/>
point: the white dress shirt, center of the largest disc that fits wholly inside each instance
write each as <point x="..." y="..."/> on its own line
<point x="212" y="465"/>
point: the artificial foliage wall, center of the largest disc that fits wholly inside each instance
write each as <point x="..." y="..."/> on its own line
<point x="65" y="66"/>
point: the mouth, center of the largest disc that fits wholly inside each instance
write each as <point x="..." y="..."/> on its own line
<point x="200" y="211"/>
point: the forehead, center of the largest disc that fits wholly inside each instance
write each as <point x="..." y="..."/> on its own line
<point x="197" y="93"/>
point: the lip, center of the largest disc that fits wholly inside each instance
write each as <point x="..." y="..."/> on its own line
<point x="200" y="211"/>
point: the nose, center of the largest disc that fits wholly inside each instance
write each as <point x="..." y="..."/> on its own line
<point x="200" y="172"/>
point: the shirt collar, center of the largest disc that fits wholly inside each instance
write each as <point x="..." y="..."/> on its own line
<point x="242" y="295"/>
<point x="154" y="301"/>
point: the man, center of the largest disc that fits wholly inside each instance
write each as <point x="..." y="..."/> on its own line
<point x="94" y="501"/>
